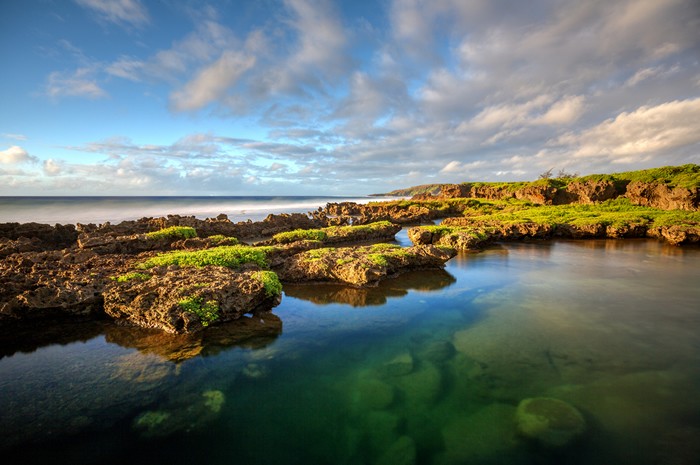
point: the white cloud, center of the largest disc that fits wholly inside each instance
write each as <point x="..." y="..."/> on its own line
<point x="53" y="167"/>
<point x="647" y="130"/>
<point x="565" y="111"/>
<point x="122" y="12"/>
<point x="14" y="136"/>
<point x="81" y="83"/>
<point x="15" y="155"/>
<point x="212" y="82"/>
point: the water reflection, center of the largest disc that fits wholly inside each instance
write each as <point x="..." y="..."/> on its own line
<point x="324" y="294"/>
<point x="29" y="337"/>
<point x="250" y="332"/>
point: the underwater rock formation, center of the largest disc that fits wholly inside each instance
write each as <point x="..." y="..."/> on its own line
<point x="550" y="422"/>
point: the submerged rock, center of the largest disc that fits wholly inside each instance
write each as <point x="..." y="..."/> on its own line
<point x="484" y="437"/>
<point x="373" y="394"/>
<point x="550" y="422"/>
<point x="184" y="415"/>
<point x="401" y="452"/>
<point x="400" y="365"/>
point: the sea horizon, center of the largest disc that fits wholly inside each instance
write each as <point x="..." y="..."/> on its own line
<point x="101" y="209"/>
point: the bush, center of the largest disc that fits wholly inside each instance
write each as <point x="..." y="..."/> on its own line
<point x="173" y="232"/>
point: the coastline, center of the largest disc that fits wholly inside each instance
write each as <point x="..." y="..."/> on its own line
<point x="199" y="272"/>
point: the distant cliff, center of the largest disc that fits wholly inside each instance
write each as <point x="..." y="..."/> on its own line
<point x="667" y="188"/>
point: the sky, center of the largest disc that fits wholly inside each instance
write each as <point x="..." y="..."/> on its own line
<point x="302" y="97"/>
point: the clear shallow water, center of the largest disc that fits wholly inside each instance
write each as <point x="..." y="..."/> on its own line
<point x="354" y="376"/>
<point x="71" y="210"/>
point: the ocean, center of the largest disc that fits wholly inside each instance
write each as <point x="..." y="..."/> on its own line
<point x="72" y="210"/>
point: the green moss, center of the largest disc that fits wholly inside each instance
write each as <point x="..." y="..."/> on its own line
<point x="208" y="311"/>
<point x="228" y="256"/>
<point x="270" y="282"/>
<point x="317" y="254"/>
<point x="131" y="276"/>
<point x="378" y="259"/>
<point x="173" y="232"/>
<point x="220" y="239"/>
<point x="300" y="235"/>
<point x="383" y="247"/>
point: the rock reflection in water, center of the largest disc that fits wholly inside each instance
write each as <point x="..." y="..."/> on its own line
<point x="322" y="294"/>
<point x="27" y="338"/>
<point x="250" y="331"/>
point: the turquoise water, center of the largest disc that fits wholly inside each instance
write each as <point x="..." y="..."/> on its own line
<point x="427" y="368"/>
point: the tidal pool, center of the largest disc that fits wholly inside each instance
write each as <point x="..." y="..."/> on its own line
<point x="427" y="368"/>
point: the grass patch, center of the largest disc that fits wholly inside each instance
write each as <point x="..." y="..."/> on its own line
<point x="208" y="311"/>
<point x="173" y="232"/>
<point x="270" y="281"/>
<point x="227" y="256"/>
<point x="300" y="235"/>
<point x="125" y="278"/>
<point x="617" y="212"/>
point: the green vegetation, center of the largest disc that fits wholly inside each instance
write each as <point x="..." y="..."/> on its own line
<point x="300" y="235"/>
<point x="687" y="176"/>
<point x="378" y="259"/>
<point x="220" y="239"/>
<point x="380" y="254"/>
<point x="131" y="276"/>
<point x="270" y="282"/>
<point x="317" y="254"/>
<point x="344" y="231"/>
<point x="208" y="311"/>
<point x="173" y="232"/>
<point x="228" y="256"/>
<point x="411" y="191"/>
<point x="323" y="234"/>
<point x="617" y="212"/>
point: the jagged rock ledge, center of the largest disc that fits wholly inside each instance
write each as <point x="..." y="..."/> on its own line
<point x="176" y="282"/>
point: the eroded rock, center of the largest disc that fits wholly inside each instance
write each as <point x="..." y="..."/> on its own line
<point x="183" y="300"/>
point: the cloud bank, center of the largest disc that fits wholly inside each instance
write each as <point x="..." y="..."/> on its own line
<point x="407" y="92"/>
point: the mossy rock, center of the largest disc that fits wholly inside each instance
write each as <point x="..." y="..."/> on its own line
<point x="551" y="422"/>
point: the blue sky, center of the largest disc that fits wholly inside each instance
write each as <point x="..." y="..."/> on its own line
<point x="294" y="97"/>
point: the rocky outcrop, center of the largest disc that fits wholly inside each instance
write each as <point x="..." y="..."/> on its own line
<point x="34" y="237"/>
<point x="219" y="226"/>
<point x="354" y="213"/>
<point x="663" y="197"/>
<point x="361" y="266"/>
<point x="184" y="300"/>
<point x="54" y="284"/>
<point x="650" y="194"/>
